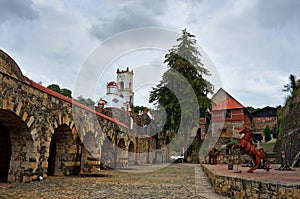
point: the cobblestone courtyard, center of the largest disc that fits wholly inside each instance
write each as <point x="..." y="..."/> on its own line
<point x="173" y="181"/>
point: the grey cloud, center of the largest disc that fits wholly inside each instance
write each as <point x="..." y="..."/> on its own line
<point x="18" y="9"/>
<point x="129" y="17"/>
<point x="278" y="13"/>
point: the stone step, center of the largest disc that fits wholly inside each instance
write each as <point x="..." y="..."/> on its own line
<point x="203" y="186"/>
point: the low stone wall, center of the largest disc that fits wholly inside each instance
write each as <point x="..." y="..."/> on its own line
<point x="248" y="188"/>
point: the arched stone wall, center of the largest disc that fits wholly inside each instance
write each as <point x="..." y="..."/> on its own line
<point x="108" y="155"/>
<point x="90" y="155"/>
<point x="34" y="119"/>
<point x="122" y="159"/>
<point x="131" y="154"/>
<point x="63" y="154"/>
<point x="23" y="156"/>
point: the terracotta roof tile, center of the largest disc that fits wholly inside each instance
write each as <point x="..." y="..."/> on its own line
<point x="229" y="103"/>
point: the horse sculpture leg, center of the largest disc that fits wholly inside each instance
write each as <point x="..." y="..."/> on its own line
<point x="215" y="159"/>
<point x="257" y="162"/>
<point x="260" y="156"/>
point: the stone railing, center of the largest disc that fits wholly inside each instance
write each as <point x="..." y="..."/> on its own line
<point x="249" y="188"/>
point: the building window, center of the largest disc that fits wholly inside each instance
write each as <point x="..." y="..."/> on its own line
<point x="121" y="85"/>
<point x="227" y="114"/>
<point x="130" y="86"/>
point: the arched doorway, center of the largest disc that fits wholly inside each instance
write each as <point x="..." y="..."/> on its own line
<point x="16" y="145"/>
<point x="5" y="152"/>
<point x="131" y="154"/>
<point x="90" y="162"/>
<point x="121" y="153"/>
<point x="108" y="153"/>
<point x="63" y="152"/>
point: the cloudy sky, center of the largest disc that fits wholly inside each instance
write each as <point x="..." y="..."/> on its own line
<point x="253" y="45"/>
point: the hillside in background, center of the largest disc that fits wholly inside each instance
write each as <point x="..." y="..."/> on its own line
<point x="289" y="126"/>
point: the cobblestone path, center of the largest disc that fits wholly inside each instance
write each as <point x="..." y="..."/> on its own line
<point x="173" y="181"/>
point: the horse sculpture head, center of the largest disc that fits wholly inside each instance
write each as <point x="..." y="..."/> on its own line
<point x="247" y="134"/>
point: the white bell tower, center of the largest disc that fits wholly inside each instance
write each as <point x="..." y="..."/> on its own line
<point x="125" y="85"/>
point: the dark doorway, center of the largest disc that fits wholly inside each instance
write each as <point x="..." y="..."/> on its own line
<point x="52" y="154"/>
<point x="5" y="152"/>
<point x="62" y="152"/>
<point x="131" y="153"/>
<point x="108" y="154"/>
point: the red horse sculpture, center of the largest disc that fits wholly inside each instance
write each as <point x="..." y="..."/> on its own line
<point x="246" y="147"/>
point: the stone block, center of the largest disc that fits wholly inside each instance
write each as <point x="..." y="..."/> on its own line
<point x="29" y="165"/>
<point x="25" y="115"/>
<point x="58" y="173"/>
<point x="85" y="169"/>
<point x="15" y="164"/>
<point x="30" y="121"/>
<point x="90" y="162"/>
<point x="296" y="193"/>
<point x="93" y="170"/>
<point x="72" y="151"/>
<point x="4" y="103"/>
<point x="26" y="179"/>
<point x="281" y="192"/>
<point x="11" y="178"/>
<point x="70" y="164"/>
<point x="44" y="164"/>
<point x="67" y="173"/>
<point x="34" y="177"/>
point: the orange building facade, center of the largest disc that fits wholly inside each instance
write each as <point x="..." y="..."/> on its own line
<point x="228" y="116"/>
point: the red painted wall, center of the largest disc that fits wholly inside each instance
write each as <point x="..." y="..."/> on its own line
<point x="236" y="115"/>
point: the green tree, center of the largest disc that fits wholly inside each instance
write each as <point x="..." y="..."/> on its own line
<point x="252" y="109"/>
<point x="293" y="84"/>
<point x="137" y="109"/>
<point x="54" y="87"/>
<point x="184" y="74"/>
<point x="63" y="91"/>
<point x="66" y="92"/>
<point x="268" y="131"/>
<point x="88" y="102"/>
<point x="182" y="60"/>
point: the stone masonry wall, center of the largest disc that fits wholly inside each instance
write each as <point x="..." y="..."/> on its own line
<point x="33" y="116"/>
<point x="49" y="134"/>
<point x="247" y="188"/>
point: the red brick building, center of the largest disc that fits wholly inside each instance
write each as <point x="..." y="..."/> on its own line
<point x="228" y="116"/>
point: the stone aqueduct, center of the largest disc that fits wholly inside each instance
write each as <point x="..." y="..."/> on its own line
<point x="40" y="135"/>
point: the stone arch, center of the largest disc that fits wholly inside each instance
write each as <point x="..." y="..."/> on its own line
<point x="131" y="154"/>
<point x="90" y="154"/>
<point x="108" y="157"/>
<point x="122" y="158"/>
<point x="64" y="153"/>
<point x="17" y="150"/>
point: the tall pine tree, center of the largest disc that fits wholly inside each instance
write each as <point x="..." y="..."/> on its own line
<point x="185" y="74"/>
